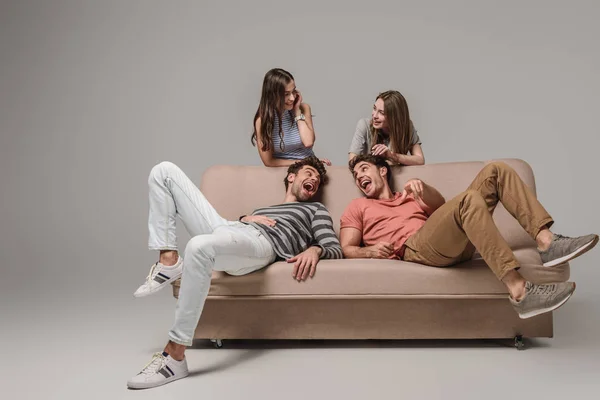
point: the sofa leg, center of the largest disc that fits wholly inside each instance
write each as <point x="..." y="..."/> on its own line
<point x="218" y="343"/>
<point x="519" y="343"/>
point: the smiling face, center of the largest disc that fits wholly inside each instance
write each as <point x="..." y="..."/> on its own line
<point x="378" y="115"/>
<point x="305" y="183"/>
<point x="370" y="179"/>
<point x="289" y="96"/>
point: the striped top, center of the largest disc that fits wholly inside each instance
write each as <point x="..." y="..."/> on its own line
<point x="299" y="226"/>
<point x="292" y="143"/>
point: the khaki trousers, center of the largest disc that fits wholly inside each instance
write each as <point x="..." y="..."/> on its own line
<point x="465" y="223"/>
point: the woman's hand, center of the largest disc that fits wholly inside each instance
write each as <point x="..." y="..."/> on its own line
<point x="381" y="150"/>
<point x="297" y="103"/>
<point x="326" y="161"/>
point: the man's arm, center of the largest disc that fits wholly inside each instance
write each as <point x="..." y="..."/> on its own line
<point x="351" y="239"/>
<point x="324" y="235"/>
<point x="432" y="197"/>
<point x="351" y="234"/>
<point x="325" y="245"/>
<point x="427" y="196"/>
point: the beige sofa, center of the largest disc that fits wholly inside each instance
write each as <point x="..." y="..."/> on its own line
<point x="367" y="298"/>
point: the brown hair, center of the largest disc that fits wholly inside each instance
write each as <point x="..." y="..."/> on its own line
<point x="399" y="126"/>
<point x="270" y="107"/>
<point x="312" y="161"/>
<point x="378" y="161"/>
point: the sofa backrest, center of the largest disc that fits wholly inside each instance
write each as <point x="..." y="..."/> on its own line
<point x="238" y="190"/>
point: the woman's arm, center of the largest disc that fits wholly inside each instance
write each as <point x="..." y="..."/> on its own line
<point x="359" y="140"/>
<point x="267" y="155"/>
<point x="416" y="156"/>
<point x="307" y="132"/>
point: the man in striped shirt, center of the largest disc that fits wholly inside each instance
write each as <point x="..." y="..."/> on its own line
<point x="297" y="230"/>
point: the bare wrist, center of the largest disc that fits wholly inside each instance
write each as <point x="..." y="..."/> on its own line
<point x="396" y="158"/>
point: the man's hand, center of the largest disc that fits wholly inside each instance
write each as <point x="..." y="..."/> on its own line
<point x="381" y="150"/>
<point x="414" y="186"/>
<point x="259" y="219"/>
<point x="305" y="263"/>
<point x="380" y="250"/>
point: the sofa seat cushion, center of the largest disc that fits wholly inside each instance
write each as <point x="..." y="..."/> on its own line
<point x="370" y="277"/>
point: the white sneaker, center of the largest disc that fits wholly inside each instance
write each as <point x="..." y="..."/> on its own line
<point x="162" y="369"/>
<point x="159" y="277"/>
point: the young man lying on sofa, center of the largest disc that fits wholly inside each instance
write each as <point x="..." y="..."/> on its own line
<point x="419" y="226"/>
<point x="298" y="230"/>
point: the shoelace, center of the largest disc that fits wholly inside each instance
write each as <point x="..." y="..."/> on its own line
<point x="543" y="289"/>
<point x="158" y="361"/>
<point x="558" y="236"/>
<point x="152" y="274"/>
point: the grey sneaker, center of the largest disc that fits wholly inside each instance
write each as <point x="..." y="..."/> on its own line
<point x="540" y="299"/>
<point x="563" y="248"/>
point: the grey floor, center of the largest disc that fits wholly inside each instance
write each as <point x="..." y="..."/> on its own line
<point x="93" y="94"/>
<point x="86" y="346"/>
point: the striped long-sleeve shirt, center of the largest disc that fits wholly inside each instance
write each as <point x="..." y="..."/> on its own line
<point x="299" y="226"/>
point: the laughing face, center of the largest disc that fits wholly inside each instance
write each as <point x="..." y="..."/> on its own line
<point x="305" y="184"/>
<point x="370" y="179"/>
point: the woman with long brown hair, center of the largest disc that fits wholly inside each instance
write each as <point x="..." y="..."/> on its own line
<point x="283" y="126"/>
<point x="389" y="132"/>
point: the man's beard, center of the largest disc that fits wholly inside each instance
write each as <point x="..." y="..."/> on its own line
<point x="300" y="196"/>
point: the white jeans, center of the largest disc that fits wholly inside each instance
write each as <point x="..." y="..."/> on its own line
<point x="218" y="244"/>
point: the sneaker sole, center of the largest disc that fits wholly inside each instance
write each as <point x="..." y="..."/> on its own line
<point x="147" y="385"/>
<point x="547" y="309"/>
<point x="581" y="250"/>
<point x="161" y="285"/>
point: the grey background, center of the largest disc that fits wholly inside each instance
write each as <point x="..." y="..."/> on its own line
<point x="94" y="93"/>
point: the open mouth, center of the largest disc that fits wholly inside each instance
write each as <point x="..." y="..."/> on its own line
<point x="309" y="187"/>
<point x="365" y="184"/>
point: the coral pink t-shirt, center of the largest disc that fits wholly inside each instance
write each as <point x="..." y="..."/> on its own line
<point x="392" y="221"/>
